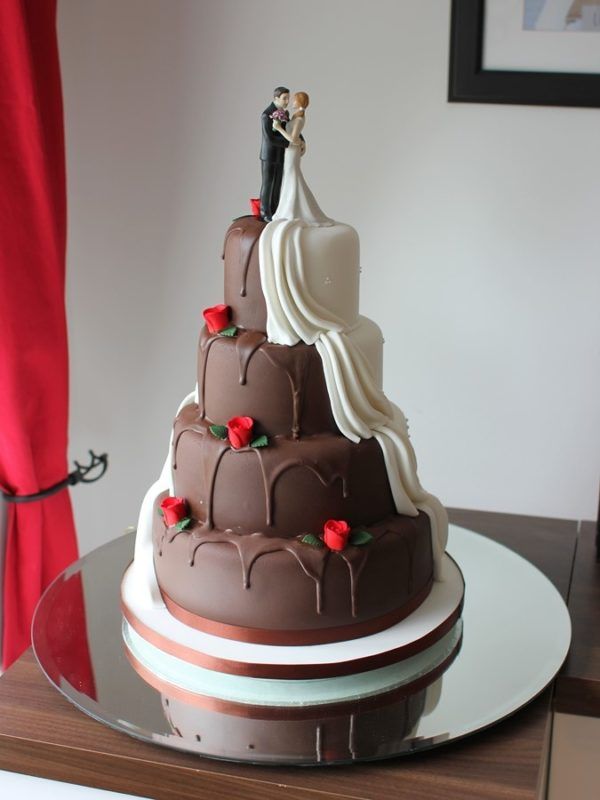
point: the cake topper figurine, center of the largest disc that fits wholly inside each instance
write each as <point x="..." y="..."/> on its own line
<point x="272" y="150"/>
<point x="296" y="201"/>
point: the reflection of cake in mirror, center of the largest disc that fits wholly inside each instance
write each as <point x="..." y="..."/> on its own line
<point x="289" y="515"/>
<point x="373" y="729"/>
<point x="358" y="734"/>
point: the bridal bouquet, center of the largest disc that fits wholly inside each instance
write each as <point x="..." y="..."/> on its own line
<point x="279" y="115"/>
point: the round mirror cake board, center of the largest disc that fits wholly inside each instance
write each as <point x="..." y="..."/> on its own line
<point x="511" y="639"/>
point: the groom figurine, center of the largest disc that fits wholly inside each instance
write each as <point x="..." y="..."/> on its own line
<point x="271" y="154"/>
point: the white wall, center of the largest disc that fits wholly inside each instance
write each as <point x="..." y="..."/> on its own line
<point x="478" y="224"/>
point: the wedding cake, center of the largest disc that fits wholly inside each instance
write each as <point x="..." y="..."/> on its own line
<point x="289" y="515"/>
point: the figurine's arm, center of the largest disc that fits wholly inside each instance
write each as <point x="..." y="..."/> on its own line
<point x="267" y="125"/>
<point x="292" y="136"/>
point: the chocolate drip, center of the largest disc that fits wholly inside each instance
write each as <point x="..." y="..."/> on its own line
<point x="274" y="461"/>
<point x="212" y="456"/>
<point x="189" y="429"/>
<point x="273" y="464"/>
<point x="250" y="548"/>
<point x="247" y="243"/>
<point x="161" y="540"/>
<point x="312" y="560"/>
<point x="297" y="373"/>
<point x="206" y="342"/>
<point x="211" y="462"/>
<point x="246" y="345"/>
<point x="192" y="426"/>
<point x="355" y="558"/>
<point x="285" y="389"/>
<point x="168" y="534"/>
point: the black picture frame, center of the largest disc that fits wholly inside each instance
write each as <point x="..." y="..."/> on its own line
<point x="470" y="83"/>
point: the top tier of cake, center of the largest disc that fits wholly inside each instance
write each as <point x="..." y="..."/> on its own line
<point x="330" y="268"/>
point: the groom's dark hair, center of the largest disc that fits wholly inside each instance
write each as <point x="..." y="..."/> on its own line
<point x="280" y="90"/>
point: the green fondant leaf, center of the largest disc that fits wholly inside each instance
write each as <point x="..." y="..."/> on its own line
<point x="359" y="538"/>
<point x="161" y="513"/>
<point x="262" y="441"/>
<point x="312" y="540"/>
<point x="231" y="330"/>
<point x="183" y="523"/>
<point x="220" y="431"/>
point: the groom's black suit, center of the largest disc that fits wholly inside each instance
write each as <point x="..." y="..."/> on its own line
<point x="271" y="156"/>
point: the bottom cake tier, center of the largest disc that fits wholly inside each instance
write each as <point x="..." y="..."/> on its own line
<point x="224" y="668"/>
<point x="270" y="590"/>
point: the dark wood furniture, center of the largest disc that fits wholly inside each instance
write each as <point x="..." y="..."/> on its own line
<point x="577" y="689"/>
<point x="43" y="734"/>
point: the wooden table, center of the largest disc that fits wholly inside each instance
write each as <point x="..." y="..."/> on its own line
<point x="42" y="734"/>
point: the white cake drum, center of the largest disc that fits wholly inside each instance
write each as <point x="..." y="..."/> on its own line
<point x="266" y="698"/>
<point x="431" y="621"/>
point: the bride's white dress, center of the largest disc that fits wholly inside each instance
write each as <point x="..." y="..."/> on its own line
<point x="360" y="408"/>
<point x="296" y="201"/>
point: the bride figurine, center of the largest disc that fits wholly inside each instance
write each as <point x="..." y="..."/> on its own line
<point x="296" y="200"/>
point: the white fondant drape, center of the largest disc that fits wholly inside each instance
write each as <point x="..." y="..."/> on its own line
<point x="360" y="408"/>
<point x="143" y="575"/>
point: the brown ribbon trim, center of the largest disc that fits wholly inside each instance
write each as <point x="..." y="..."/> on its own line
<point x="296" y="637"/>
<point x="231" y="708"/>
<point x="290" y="671"/>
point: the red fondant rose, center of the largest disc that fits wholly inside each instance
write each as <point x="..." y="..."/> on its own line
<point x="336" y="535"/>
<point x="174" y="510"/>
<point x="217" y="317"/>
<point x="239" y="431"/>
<point x="255" y="206"/>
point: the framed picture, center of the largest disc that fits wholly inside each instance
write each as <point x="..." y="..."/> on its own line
<point x="533" y="52"/>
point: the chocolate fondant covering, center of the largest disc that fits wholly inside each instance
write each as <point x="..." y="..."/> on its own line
<point x="241" y="562"/>
<point x="281" y="584"/>
<point x="290" y="487"/>
<point x="282" y="388"/>
<point x="243" y="291"/>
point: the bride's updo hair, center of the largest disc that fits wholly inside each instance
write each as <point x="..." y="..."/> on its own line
<point x="302" y="100"/>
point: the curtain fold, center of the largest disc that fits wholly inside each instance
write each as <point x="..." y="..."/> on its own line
<point x="40" y="536"/>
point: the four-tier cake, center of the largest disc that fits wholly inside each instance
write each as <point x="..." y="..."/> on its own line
<point x="289" y="515"/>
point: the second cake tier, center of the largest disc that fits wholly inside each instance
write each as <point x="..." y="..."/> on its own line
<point x="287" y="488"/>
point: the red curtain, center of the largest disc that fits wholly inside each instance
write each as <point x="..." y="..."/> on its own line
<point x="41" y="537"/>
